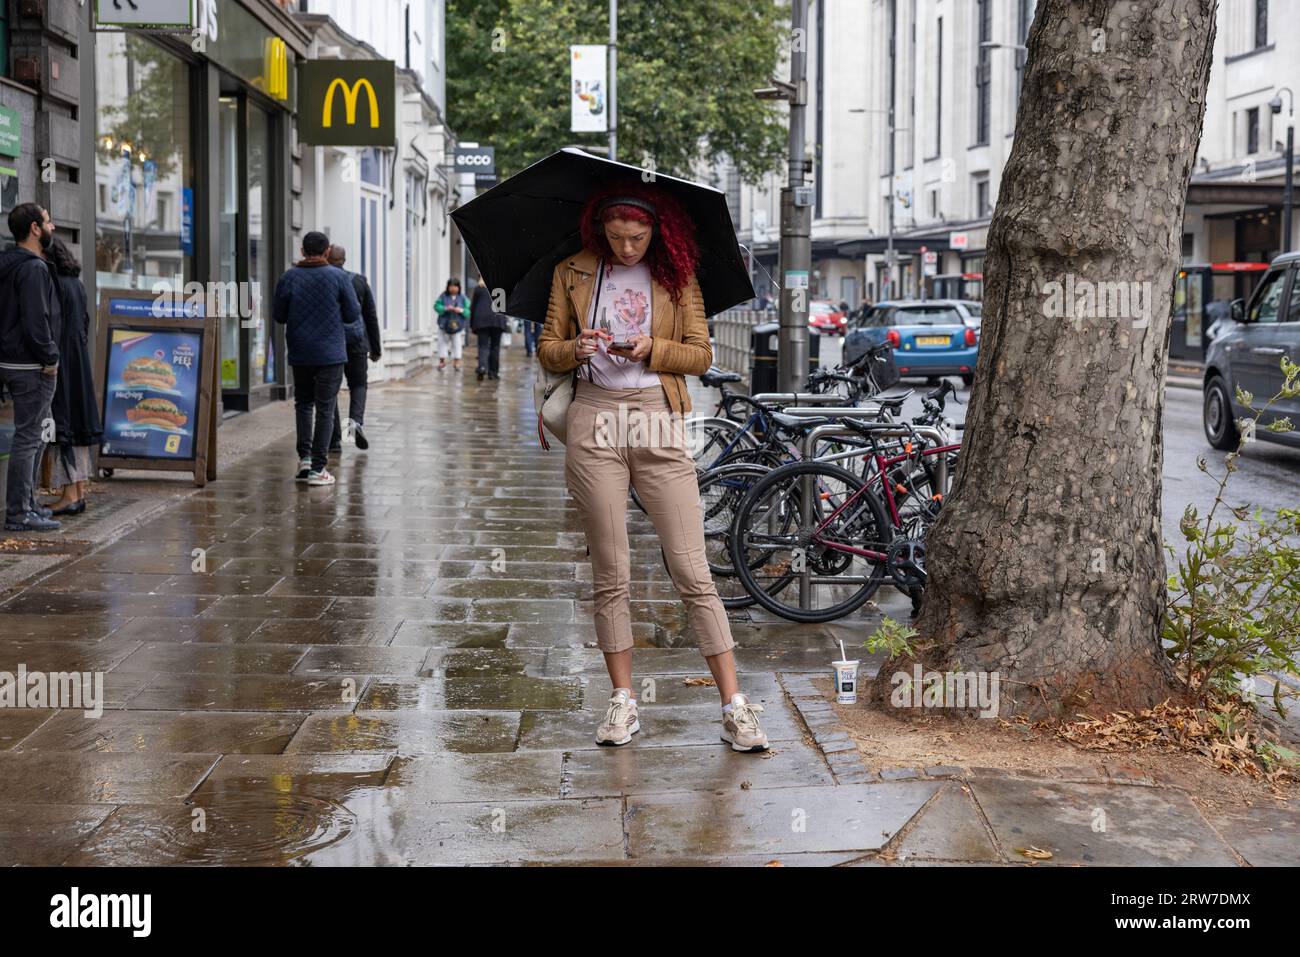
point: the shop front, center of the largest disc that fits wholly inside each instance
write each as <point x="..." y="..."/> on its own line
<point x="193" y="177"/>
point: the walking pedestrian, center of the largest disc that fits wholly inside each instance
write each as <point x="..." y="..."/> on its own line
<point x="360" y="354"/>
<point x="320" y="311"/>
<point x="75" y="407"/>
<point x="628" y="309"/>
<point x="488" y="326"/>
<point x="531" y="331"/>
<point x="452" y="309"/>
<point x="29" y="360"/>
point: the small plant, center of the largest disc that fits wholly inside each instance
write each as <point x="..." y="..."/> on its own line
<point x="1233" y="612"/>
<point x="893" y="638"/>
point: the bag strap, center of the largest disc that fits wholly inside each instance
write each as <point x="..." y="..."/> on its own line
<point x="595" y="309"/>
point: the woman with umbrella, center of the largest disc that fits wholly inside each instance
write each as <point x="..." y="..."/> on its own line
<point x="627" y="311"/>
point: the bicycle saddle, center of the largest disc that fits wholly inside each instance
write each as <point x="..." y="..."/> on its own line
<point x="714" y="377"/>
<point x="894" y="401"/>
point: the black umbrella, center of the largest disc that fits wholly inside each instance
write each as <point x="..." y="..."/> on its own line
<point x="519" y="229"/>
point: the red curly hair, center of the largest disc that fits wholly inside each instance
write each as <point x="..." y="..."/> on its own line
<point x="672" y="255"/>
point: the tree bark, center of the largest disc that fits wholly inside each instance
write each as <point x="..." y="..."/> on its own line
<point x="1046" y="565"/>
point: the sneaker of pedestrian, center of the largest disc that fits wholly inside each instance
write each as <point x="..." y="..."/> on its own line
<point x="359" y="437"/>
<point x="620" y="719"/>
<point x="31" y="522"/>
<point x="44" y="511"/>
<point x="480" y="374"/>
<point x="322" y="477"/>
<point x="304" y="469"/>
<point x="740" y="727"/>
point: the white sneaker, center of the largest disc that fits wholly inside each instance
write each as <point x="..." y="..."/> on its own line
<point x="620" y="720"/>
<point x="323" y="477"/>
<point x="740" y="725"/>
<point x="304" y="469"/>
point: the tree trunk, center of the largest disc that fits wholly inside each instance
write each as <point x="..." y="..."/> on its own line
<point x="1046" y="565"/>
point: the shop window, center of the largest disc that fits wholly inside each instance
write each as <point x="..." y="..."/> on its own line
<point x="142" y="153"/>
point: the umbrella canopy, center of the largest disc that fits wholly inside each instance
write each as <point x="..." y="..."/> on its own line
<point x="519" y="229"/>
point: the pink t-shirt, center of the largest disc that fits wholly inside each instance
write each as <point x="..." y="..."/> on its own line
<point x="625" y="304"/>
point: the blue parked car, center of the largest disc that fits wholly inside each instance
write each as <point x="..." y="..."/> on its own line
<point x="1247" y="352"/>
<point x="931" y="338"/>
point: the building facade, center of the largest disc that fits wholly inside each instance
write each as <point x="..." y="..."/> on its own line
<point x="389" y="208"/>
<point x="169" y="159"/>
<point x="951" y="70"/>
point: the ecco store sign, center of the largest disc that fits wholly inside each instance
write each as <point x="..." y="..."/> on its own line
<point x="347" y="102"/>
<point x="476" y="159"/>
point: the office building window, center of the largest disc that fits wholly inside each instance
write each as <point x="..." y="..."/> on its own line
<point x="4" y="41"/>
<point x="938" y="88"/>
<point x="982" y="205"/>
<point x="1025" y="9"/>
<point x="1252" y="131"/>
<point x="1261" y="23"/>
<point x="983" y="71"/>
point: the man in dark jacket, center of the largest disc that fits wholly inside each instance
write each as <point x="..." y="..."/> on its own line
<point x="368" y="349"/>
<point x="29" y="360"/>
<point x="488" y="325"/>
<point x="320" y="311"/>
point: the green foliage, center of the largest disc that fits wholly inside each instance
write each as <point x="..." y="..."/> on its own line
<point x="1233" y="611"/>
<point x="685" y="80"/>
<point x="893" y="638"/>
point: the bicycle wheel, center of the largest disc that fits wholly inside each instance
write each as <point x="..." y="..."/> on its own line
<point x="809" y="542"/>
<point x="721" y="492"/>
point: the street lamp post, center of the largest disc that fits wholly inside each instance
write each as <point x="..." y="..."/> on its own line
<point x="796" y="213"/>
<point x="1275" y="105"/>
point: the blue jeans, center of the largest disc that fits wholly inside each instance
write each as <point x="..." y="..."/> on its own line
<point x="531" y="332"/>
<point x="31" y="391"/>
<point x="315" y="393"/>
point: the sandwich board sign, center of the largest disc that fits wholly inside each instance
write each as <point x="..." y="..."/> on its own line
<point x="158" y="362"/>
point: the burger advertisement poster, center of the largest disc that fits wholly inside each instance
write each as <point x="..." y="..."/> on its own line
<point x="151" y="399"/>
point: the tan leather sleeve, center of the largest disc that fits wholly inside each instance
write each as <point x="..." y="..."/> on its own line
<point x="555" y="349"/>
<point x="693" y="355"/>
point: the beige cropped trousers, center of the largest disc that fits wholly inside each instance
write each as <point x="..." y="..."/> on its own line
<point x="618" y="437"/>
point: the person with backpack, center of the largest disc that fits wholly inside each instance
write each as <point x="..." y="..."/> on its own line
<point x="453" y="314"/>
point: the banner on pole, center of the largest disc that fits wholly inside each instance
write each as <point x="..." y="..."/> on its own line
<point x="587" y="107"/>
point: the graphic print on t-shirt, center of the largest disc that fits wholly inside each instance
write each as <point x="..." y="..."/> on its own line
<point x="624" y="312"/>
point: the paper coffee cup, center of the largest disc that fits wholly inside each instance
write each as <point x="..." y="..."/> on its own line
<point x="846" y="681"/>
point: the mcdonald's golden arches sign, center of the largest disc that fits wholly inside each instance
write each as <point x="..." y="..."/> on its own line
<point x="347" y="102"/>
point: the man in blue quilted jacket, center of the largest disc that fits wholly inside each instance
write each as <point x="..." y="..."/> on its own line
<point x="321" y="314"/>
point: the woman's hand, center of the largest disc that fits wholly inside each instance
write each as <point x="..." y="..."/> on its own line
<point x="584" y="347"/>
<point x="639" y="352"/>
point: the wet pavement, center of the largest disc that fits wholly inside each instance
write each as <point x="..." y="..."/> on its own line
<point x="401" y="670"/>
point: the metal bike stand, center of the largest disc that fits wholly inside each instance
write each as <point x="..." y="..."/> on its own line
<point x="832" y="430"/>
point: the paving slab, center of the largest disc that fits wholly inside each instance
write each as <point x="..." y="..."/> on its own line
<point x="40" y="835"/>
<point x="40" y="777"/>
<point x="602" y="772"/>
<point x="480" y="693"/>
<point x="1139" y="826"/>
<point x="1266" y="835"/>
<point x="860" y="817"/>
<point x="219" y="692"/>
<point x="949" y="829"/>
<point x="165" y="732"/>
<point x="408" y="732"/>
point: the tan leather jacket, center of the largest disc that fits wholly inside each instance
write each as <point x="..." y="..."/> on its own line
<point x="680" y="331"/>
